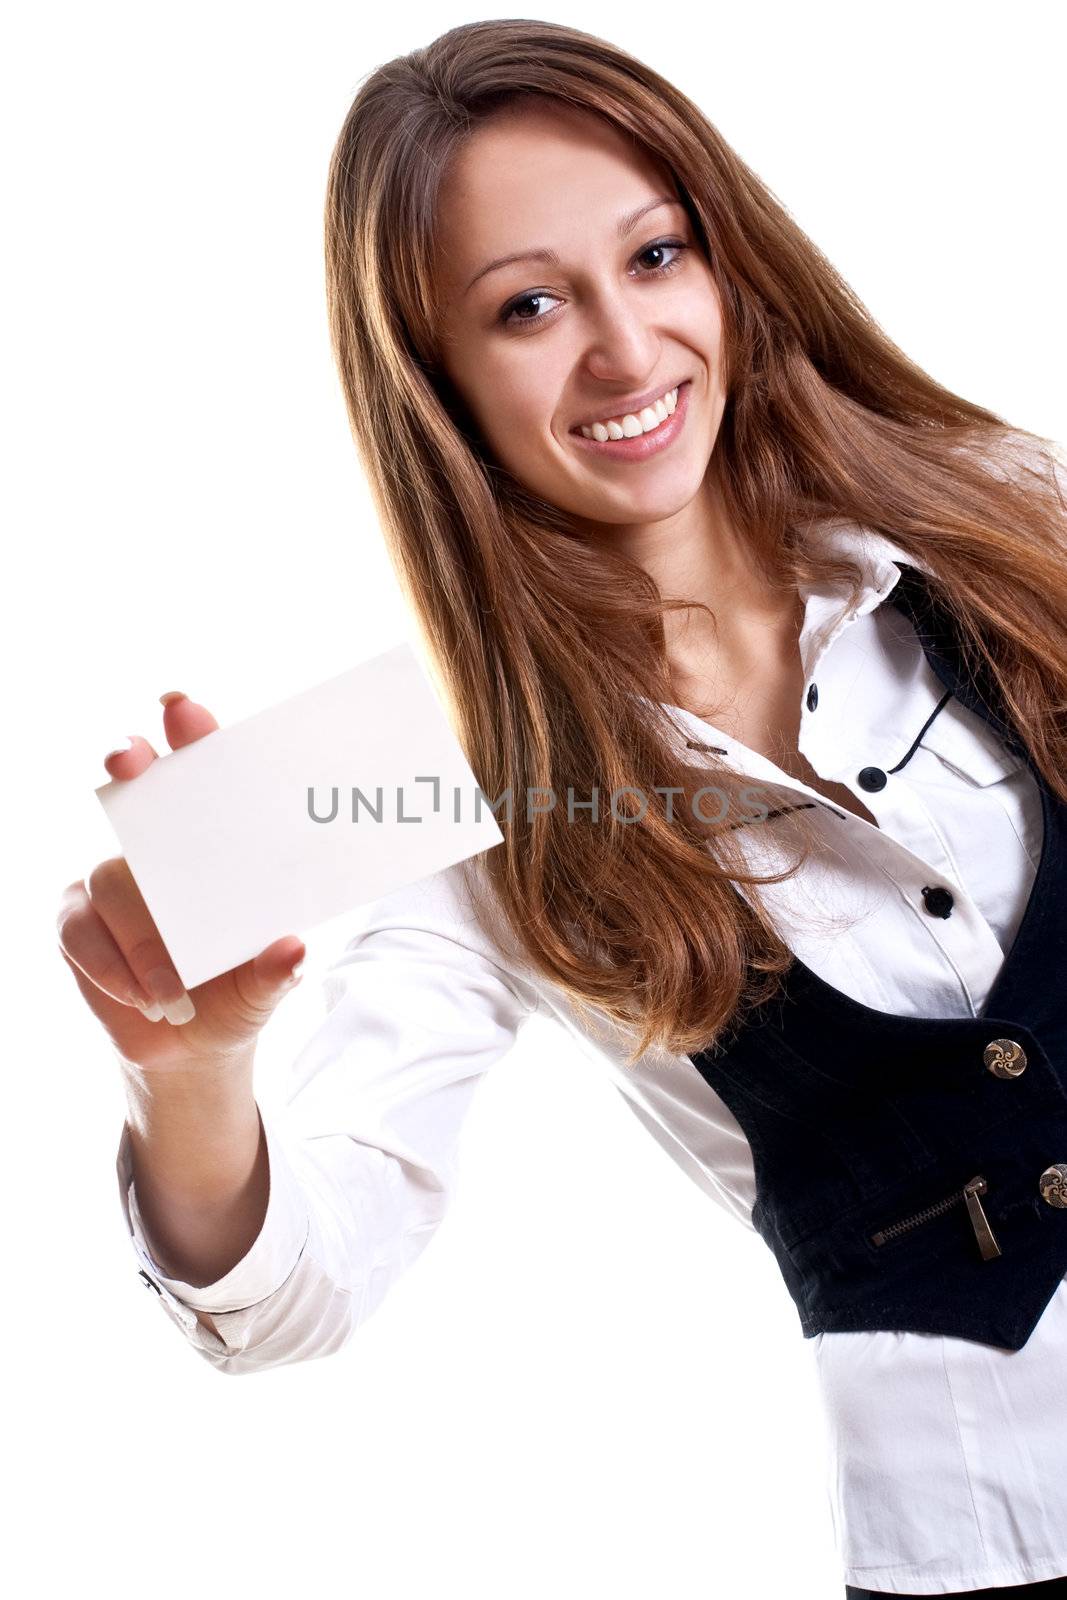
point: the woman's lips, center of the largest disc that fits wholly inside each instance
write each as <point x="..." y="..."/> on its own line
<point x="642" y="445"/>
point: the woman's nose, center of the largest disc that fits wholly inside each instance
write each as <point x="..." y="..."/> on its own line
<point x="622" y="348"/>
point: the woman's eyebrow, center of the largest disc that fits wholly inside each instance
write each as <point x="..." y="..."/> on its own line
<point x="625" y="225"/>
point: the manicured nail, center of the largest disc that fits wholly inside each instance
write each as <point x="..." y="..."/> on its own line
<point x="172" y="694"/>
<point x="120" y="750"/>
<point x="151" y="1013"/>
<point x="163" y="986"/>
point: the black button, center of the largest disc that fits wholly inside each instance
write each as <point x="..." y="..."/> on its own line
<point x="150" y="1282"/>
<point x="813" y="696"/>
<point x="938" y="901"/>
<point x="872" y="778"/>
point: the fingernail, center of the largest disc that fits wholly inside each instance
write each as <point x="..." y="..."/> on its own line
<point x="163" y="986"/>
<point x="152" y="1013"/>
<point x="172" y="694"/>
<point x="120" y="750"/>
<point x="296" y="974"/>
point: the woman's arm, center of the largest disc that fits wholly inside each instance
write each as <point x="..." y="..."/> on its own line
<point x="198" y="1156"/>
<point x="355" y="1172"/>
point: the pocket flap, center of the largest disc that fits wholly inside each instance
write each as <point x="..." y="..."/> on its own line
<point x="963" y="741"/>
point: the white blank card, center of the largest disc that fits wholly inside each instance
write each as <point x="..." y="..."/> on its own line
<point x="316" y="805"/>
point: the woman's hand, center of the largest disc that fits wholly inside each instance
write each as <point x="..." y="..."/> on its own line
<point x="113" y="947"/>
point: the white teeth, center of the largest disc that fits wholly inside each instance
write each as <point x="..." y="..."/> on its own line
<point x="630" y="426"/>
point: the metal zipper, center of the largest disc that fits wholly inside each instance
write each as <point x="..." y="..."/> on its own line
<point x="987" y="1244"/>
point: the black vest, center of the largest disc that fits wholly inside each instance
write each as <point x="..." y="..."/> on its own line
<point x="911" y="1173"/>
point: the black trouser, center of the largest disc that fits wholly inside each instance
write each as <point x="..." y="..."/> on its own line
<point x="1049" y="1589"/>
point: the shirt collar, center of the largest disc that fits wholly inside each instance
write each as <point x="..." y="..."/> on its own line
<point x="826" y="609"/>
<point x="827" y="612"/>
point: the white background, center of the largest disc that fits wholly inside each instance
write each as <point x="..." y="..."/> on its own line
<point x="593" y="1383"/>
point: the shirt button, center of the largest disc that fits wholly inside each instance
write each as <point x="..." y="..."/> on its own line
<point x="872" y="778"/>
<point x="813" y="696"/>
<point x="1053" y="1183"/>
<point x="938" y="902"/>
<point x="1004" y="1058"/>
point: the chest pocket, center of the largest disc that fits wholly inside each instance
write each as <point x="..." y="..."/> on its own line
<point x="962" y="741"/>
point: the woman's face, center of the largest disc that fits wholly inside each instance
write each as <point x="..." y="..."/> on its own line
<point x="537" y="347"/>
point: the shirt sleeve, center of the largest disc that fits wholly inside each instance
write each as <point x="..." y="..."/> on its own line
<point x="362" y="1156"/>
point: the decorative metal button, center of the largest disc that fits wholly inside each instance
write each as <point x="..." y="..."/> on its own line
<point x="1005" y="1058"/>
<point x="813" y="696"/>
<point x="1053" y="1183"/>
<point x="871" y="778"/>
<point x="938" y="902"/>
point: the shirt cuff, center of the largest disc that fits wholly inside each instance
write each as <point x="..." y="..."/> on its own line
<point x="268" y="1262"/>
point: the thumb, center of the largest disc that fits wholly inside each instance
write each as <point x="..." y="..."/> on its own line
<point x="263" y="981"/>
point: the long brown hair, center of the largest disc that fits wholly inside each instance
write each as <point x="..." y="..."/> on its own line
<point x="551" y="648"/>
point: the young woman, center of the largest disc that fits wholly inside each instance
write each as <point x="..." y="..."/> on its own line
<point x="677" y="521"/>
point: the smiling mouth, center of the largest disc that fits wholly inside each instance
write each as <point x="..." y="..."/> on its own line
<point x="631" y="424"/>
<point x="634" y="439"/>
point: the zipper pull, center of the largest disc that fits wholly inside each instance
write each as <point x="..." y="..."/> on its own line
<point x="987" y="1244"/>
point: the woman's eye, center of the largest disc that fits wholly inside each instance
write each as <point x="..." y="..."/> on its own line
<point x="514" y="307"/>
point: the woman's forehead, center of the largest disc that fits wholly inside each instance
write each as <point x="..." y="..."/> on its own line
<point x="539" y="184"/>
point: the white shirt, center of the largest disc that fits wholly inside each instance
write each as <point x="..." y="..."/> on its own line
<point x="946" y="1455"/>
